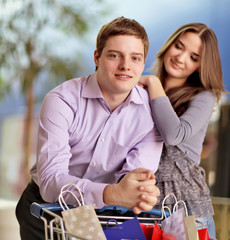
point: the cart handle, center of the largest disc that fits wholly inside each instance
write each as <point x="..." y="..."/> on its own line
<point x="37" y="209"/>
<point x="157" y="212"/>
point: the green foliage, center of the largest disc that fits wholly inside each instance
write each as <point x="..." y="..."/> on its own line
<point x="4" y="88"/>
<point x="44" y="36"/>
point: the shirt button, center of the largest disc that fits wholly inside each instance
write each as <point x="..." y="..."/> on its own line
<point x="102" y="139"/>
<point x="94" y="163"/>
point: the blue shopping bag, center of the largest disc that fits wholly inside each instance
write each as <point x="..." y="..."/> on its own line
<point x="130" y="229"/>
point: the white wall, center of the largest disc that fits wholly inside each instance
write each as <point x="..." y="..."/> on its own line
<point x="9" y="228"/>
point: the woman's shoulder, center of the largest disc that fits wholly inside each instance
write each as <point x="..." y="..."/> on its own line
<point x="205" y="95"/>
<point x="204" y="100"/>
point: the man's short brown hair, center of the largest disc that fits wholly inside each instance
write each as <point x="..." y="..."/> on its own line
<point x="121" y="26"/>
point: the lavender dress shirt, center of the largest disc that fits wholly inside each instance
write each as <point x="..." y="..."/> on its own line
<point x="81" y="141"/>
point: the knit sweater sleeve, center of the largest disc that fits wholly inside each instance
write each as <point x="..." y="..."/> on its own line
<point x="176" y="130"/>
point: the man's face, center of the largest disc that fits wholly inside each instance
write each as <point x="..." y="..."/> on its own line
<point x="120" y="65"/>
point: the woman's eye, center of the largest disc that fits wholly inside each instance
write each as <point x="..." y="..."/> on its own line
<point x="194" y="59"/>
<point x="178" y="46"/>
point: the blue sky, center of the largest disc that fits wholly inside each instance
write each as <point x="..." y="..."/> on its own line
<point x="161" y="17"/>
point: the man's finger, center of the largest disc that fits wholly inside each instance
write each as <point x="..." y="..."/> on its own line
<point x="142" y="174"/>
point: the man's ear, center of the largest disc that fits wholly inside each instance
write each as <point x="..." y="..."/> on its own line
<point x="96" y="58"/>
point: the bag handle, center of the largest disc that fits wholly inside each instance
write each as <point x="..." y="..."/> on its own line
<point x="175" y="207"/>
<point x="163" y="211"/>
<point x="163" y="204"/>
<point x="61" y="200"/>
<point x="116" y="227"/>
<point x="170" y="194"/>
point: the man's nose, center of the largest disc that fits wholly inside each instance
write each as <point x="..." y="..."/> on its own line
<point x="124" y="64"/>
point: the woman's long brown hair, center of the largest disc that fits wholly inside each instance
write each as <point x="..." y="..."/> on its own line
<point x="209" y="76"/>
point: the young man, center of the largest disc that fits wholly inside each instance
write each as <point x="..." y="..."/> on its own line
<point x="98" y="133"/>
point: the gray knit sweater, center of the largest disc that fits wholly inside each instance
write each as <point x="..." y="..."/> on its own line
<point x="187" y="132"/>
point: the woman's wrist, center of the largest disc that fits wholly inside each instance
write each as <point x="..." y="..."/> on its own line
<point x="153" y="85"/>
<point x="155" y="88"/>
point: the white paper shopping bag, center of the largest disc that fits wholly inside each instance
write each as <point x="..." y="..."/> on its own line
<point x="80" y="221"/>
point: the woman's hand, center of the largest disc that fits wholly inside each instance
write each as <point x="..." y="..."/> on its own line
<point x="153" y="85"/>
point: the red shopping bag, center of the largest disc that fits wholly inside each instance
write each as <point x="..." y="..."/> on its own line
<point x="203" y="234"/>
<point x="157" y="232"/>
<point x="151" y="232"/>
<point x="147" y="230"/>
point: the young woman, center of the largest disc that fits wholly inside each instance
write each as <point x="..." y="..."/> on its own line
<point x="183" y="93"/>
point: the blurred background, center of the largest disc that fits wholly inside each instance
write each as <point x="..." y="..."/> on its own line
<point x="46" y="42"/>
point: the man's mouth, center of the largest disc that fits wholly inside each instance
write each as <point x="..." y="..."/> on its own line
<point x="123" y="76"/>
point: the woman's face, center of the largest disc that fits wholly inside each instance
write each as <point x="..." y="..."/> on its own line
<point x="183" y="57"/>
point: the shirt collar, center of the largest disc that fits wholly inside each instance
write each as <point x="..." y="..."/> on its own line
<point x="92" y="90"/>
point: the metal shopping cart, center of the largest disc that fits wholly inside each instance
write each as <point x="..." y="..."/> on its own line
<point x="54" y="224"/>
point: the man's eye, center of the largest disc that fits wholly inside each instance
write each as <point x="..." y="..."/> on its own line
<point x="113" y="56"/>
<point x="136" y="59"/>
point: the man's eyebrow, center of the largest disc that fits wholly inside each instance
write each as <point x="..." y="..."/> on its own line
<point x="112" y="50"/>
<point x="183" y="46"/>
<point x="137" y="53"/>
<point x="133" y="53"/>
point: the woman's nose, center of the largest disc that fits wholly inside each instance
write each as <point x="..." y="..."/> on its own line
<point x="181" y="57"/>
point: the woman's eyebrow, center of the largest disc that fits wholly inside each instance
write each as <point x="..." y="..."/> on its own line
<point x="180" y="42"/>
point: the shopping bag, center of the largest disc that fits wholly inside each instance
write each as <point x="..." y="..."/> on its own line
<point x="147" y="230"/>
<point x="165" y="236"/>
<point x="152" y="232"/>
<point x="203" y="234"/>
<point x="80" y="221"/>
<point x="175" y="226"/>
<point x="157" y="233"/>
<point x="190" y="222"/>
<point x="130" y="229"/>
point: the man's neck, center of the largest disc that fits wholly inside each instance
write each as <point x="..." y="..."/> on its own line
<point x="115" y="100"/>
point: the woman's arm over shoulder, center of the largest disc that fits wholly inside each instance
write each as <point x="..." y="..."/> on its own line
<point x="176" y="130"/>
